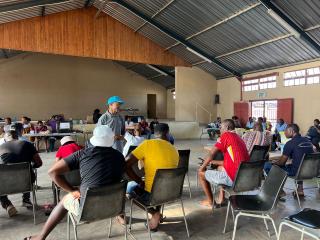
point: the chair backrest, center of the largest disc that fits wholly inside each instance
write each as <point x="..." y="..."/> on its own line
<point x="249" y="176"/>
<point x="131" y="148"/>
<point x="309" y="166"/>
<point x="167" y="185"/>
<point x="73" y="177"/>
<point x="184" y="156"/>
<point x="103" y="202"/>
<point x="259" y="153"/>
<point x="15" y="178"/>
<point x="272" y="186"/>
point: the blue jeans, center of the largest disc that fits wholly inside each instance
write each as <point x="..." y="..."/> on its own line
<point x="288" y="168"/>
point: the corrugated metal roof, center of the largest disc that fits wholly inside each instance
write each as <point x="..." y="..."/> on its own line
<point x="213" y="69"/>
<point x="304" y="12"/>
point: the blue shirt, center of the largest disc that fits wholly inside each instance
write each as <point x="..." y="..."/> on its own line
<point x="250" y="125"/>
<point x="295" y="149"/>
<point x="281" y="128"/>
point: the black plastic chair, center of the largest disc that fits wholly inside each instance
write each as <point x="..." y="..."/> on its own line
<point x="259" y="153"/>
<point x="260" y="205"/>
<point x="167" y="187"/>
<point x="184" y="157"/>
<point x="307" y="222"/>
<point x="73" y="178"/>
<point x="16" y="178"/>
<point x="100" y="203"/>
<point x="309" y="169"/>
<point x="131" y="148"/>
<point x="248" y="178"/>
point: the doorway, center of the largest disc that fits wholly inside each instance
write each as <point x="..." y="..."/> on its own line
<point x="152" y="106"/>
<point x="268" y="109"/>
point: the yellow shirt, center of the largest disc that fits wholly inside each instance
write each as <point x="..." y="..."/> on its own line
<point x="156" y="154"/>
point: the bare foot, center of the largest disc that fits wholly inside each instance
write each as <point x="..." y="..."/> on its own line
<point x="121" y="220"/>
<point x="206" y="203"/>
<point x="154" y="221"/>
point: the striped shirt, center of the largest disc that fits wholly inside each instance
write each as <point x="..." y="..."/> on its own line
<point x="256" y="138"/>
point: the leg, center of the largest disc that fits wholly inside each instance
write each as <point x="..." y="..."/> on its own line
<point x="184" y="217"/>
<point x="207" y="190"/>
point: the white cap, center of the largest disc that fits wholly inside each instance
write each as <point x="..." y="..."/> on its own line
<point x="66" y="139"/>
<point x="103" y="136"/>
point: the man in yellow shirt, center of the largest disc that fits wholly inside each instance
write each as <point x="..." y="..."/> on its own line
<point x="155" y="154"/>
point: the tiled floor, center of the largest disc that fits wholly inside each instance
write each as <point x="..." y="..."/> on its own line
<point x="203" y="223"/>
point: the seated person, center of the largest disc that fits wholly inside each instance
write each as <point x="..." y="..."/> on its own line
<point x="236" y="121"/>
<point x="41" y="128"/>
<point x="152" y="124"/>
<point x="294" y="149"/>
<point x="27" y="126"/>
<point x="266" y="124"/>
<point x="250" y="123"/>
<point x="128" y="123"/>
<point x="155" y="154"/>
<point x="99" y="166"/>
<point x="53" y="127"/>
<point x="68" y="147"/>
<point x="134" y="139"/>
<point x="314" y="134"/>
<point x="256" y="137"/>
<point x="96" y="115"/>
<point x="16" y="151"/>
<point x="8" y="124"/>
<point x="214" y="128"/>
<point x="234" y="151"/>
<point x="145" y="130"/>
<point x="280" y="127"/>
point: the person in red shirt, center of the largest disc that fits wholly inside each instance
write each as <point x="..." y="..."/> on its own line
<point x="234" y="151"/>
<point x="68" y="147"/>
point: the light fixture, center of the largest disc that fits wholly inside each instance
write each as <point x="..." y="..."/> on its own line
<point x="282" y="22"/>
<point x="173" y="91"/>
<point x="157" y="70"/>
<point x="199" y="55"/>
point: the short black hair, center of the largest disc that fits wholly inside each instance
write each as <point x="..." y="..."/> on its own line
<point x="294" y="127"/>
<point x="230" y="124"/>
<point x="317" y="120"/>
<point x="161" y="128"/>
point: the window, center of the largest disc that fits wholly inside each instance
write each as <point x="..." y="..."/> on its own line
<point x="302" y="77"/>
<point x="259" y="83"/>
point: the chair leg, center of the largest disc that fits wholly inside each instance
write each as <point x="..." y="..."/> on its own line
<point x="302" y="234"/>
<point x="130" y="219"/>
<point x="226" y="220"/>
<point x="162" y="210"/>
<point x="232" y="212"/>
<point x="34" y="206"/>
<point x="110" y="227"/>
<point x="147" y="217"/>
<point x="75" y="231"/>
<point x="184" y="216"/>
<point x="235" y="226"/>
<point x="273" y="224"/>
<point x="189" y="185"/>
<point x="125" y="227"/>
<point x="280" y="230"/>
<point x="68" y="226"/>
<point x="296" y="190"/>
<point x="267" y="228"/>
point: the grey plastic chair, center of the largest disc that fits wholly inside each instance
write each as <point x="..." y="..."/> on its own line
<point x="100" y="203"/>
<point x="260" y="205"/>
<point x="248" y="178"/>
<point x="73" y="178"/>
<point x="309" y="169"/>
<point x="16" y="178"/>
<point x="259" y="153"/>
<point x="167" y="187"/>
<point x="184" y="157"/>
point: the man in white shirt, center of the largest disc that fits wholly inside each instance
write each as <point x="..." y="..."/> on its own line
<point x="134" y="139"/>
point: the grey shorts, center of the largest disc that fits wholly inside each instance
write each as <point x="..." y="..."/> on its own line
<point x="218" y="177"/>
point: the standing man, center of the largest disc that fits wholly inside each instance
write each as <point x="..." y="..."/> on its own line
<point x="115" y="121"/>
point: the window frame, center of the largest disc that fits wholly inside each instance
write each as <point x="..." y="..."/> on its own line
<point x="291" y="81"/>
<point x="256" y="82"/>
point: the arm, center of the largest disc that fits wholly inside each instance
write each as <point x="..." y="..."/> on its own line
<point x="37" y="161"/>
<point x="56" y="172"/>
<point x="130" y="161"/>
<point x="280" y="161"/>
<point x="209" y="160"/>
<point x="58" y="159"/>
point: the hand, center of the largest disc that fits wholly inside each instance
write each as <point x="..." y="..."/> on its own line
<point x="118" y="137"/>
<point x="76" y="194"/>
<point x="202" y="169"/>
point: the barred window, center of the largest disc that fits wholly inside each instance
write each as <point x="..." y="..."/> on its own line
<point x="302" y="77"/>
<point x="259" y="83"/>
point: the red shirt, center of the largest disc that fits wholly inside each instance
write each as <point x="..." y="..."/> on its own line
<point x="234" y="150"/>
<point x="67" y="150"/>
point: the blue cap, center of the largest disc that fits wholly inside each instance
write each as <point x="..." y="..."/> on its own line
<point x="114" y="99"/>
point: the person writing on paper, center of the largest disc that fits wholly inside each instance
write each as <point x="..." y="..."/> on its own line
<point x="115" y="121"/>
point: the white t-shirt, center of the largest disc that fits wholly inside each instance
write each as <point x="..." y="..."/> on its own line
<point x="130" y="124"/>
<point x="131" y="141"/>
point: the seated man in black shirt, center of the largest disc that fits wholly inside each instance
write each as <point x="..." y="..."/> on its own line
<point x="16" y="151"/>
<point x="99" y="165"/>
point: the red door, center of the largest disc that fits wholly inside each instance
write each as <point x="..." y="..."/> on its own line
<point x="242" y="111"/>
<point x="285" y="110"/>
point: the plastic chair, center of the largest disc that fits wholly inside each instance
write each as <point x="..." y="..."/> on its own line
<point x="307" y="222"/>
<point x="309" y="169"/>
<point x="184" y="157"/>
<point x="259" y="153"/>
<point x="167" y="187"/>
<point x="100" y="203"/>
<point x="16" y="178"/>
<point x="260" y="205"/>
<point x="131" y="148"/>
<point x="248" y="178"/>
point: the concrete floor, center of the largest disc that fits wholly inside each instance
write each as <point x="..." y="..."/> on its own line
<point x="203" y="223"/>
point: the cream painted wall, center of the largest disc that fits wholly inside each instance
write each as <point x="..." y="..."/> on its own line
<point x="39" y="85"/>
<point x="193" y="86"/>
<point x="306" y="97"/>
<point x="170" y="105"/>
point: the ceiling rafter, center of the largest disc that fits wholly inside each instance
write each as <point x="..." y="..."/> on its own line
<point x="29" y="4"/>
